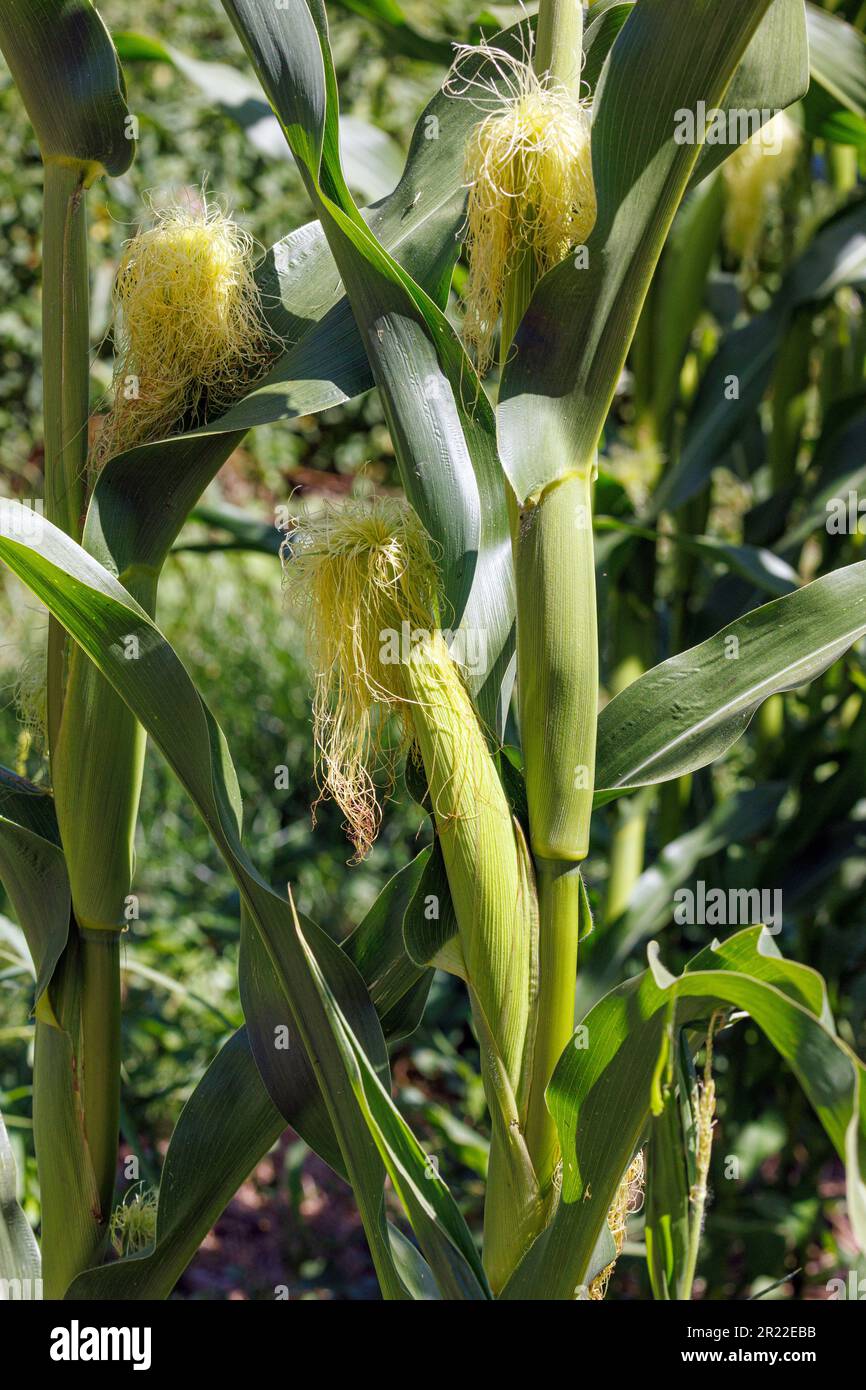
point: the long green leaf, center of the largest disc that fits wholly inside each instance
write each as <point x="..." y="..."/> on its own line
<point x="686" y="712"/>
<point x="33" y="871"/>
<point x="835" y="257"/>
<point x="65" y="67"/>
<point x="618" y="1073"/>
<point x="98" y="612"/>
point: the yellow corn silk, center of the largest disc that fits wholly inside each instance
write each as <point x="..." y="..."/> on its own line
<point x="627" y="1202"/>
<point x="190" y="335"/>
<point x="529" y="173"/>
<point x="363" y="576"/>
<point x="355" y="575"/>
<point x="753" y="175"/>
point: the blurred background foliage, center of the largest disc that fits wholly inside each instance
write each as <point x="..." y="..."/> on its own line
<point x="785" y="810"/>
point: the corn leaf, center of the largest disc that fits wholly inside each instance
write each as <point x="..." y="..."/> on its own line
<point x="835" y="257"/>
<point x="33" y="872"/>
<point x="838" y="59"/>
<point x="441" y="1231"/>
<point x="231" y="1121"/>
<point x="19" y="1253"/>
<point x="226" y="1126"/>
<point x="686" y="712"/>
<point x="66" y="69"/>
<point x="618" y="1073"/>
<point x="397" y="987"/>
<point x="98" y="612"/>
<point x="440" y="420"/>
<point x="572" y="344"/>
<point x="772" y="74"/>
<point x="374" y="161"/>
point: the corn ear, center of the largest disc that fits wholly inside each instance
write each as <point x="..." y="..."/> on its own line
<point x="478" y="843"/>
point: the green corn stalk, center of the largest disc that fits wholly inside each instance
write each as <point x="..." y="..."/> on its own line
<point x="82" y="135"/>
<point x="557" y="662"/>
<point x="517" y="917"/>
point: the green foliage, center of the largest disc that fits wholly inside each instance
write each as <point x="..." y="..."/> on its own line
<point x="733" y="747"/>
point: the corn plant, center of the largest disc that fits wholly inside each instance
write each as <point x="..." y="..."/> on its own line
<point x="552" y="150"/>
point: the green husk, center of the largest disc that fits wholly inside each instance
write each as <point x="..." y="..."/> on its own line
<point x="98" y="766"/>
<point x="367" y="579"/>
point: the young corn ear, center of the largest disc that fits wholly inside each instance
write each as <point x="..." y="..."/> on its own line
<point x="528" y="168"/>
<point x="367" y="581"/>
<point x="753" y="176"/>
<point x="189" y="331"/>
<point x="190" y="336"/>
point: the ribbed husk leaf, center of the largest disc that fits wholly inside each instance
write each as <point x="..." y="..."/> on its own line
<point x="98" y="764"/>
<point x="478" y="843"/>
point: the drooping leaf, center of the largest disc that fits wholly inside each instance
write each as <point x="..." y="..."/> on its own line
<point x="33" y="871"/>
<point x="101" y="616"/>
<point x="686" y="712"/>
<point x="618" y="1070"/>
<point x="65" y="67"/>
